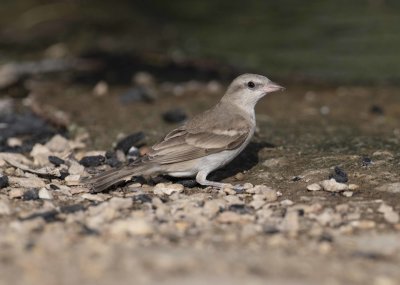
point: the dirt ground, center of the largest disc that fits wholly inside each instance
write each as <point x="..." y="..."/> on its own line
<point x="52" y="231"/>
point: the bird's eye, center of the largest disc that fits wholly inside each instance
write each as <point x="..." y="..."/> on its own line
<point x="251" y="84"/>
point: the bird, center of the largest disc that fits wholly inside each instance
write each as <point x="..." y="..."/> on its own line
<point x="208" y="141"/>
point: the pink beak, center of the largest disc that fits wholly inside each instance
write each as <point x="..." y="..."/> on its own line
<point x="272" y="87"/>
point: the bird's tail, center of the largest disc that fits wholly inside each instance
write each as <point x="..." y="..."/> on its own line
<point x="111" y="177"/>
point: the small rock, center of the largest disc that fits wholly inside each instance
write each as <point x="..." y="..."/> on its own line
<point x="229" y="217"/>
<point x="92" y="197"/>
<point x="78" y="190"/>
<point x="233" y="200"/>
<point x="132" y="226"/>
<point x="142" y="78"/>
<point x="132" y="140"/>
<point x="376" y="110"/>
<point x="366" y="161"/>
<point x="133" y="153"/>
<point x="339" y="175"/>
<point x="15" y="193"/>
<point x="14" y="142"/>
<point x="31" y="182"/>
<point x="120" y="203"/>
<point x="45" y="194"/>
<point x="40" y="154"/>
<point x="353" y="187"/>
<point x="92" y="161"/>
<point x="73" y="180"/>
<point x="257" y="204"/>
<point x="390" y="187"/>
<point x="167" y="189"/>
<point x="239" y="176"/>
<point x="290" y="223"/>
<point x="287" y="203"/>
<point x="101" y="89"/>
<point x="347" y="194"/>
<point x="58" y="144"/>
<point x="229" y="191"/>
<point x="314" y="187"/>
<point x="3" y="181"/>
<point x="138" y="94"/>
<point x="212" y="207"/>
<point x="176" y="115"/>
<point x="275" y="162"/>
<point x="388" y="213"/>
<point x="332" y="186"/>
<point x="55" y="160"/>
<point x="4" y="208"/>
<point x="30" y="194"/>
<point x="75" y="168"/>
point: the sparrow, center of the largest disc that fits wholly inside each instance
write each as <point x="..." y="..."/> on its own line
<point x="203" y="144"/>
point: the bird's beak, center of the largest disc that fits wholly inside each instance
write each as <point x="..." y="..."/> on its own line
<point x="272" y="87"/>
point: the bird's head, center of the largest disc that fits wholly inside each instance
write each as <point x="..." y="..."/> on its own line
<point x="247" y="89"/>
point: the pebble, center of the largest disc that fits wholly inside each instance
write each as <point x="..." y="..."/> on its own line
<point x="390" y="187"/>
<point x="40" y="154"/>
<point x="287" y="203"/>
<point x="3" y="181"/>
<point x="257" y="204"/>
<point x="58" y="144"/>
<point x="31" y="182"/>
<point x="347" y="194"/>
<point x="339" y="175"/>
<point x="73" y="180"/>
<point x="30" y="194"/>
<point x="15" y="193"/>
<point x="332" y="185"/>
<point x="138" y="94"/>
<point x="75" y="168"/>
<point x="366" y="161"/>
<point x="4" y="208"/>
<point x="275" y="162"/>
<point x="290" y="223"/>
<point x="101" y="89"/>
<point x="176" y="115"/>
<point x="212" y="207"/>
<point x="55" y="160"/>
<point x="314" y="187"/>
<point x="229" y="191"/>
<point x="131" y="140"/>
<point x="353" y="187"/>
<point x="92" y="161"/>
<point x="92" y="197"/>
<point x="233" y="200"/>
<point x="239" y="176"/>
<point x="167" y="189"/>
<point x="45" y="194"/>
<point x="133" y="153"/>
<point x="131" y="226"/>
<point x="388" y="213"/>
<point x="229" y="217"/>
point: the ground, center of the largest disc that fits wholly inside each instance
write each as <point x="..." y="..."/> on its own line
<point x="276" y="230"/>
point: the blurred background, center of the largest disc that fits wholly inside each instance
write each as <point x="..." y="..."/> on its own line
<point x="319" y="41"/>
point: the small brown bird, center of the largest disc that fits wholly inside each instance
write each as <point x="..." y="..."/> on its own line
<point x="203" y="144"/>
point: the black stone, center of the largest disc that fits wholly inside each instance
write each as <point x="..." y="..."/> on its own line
<point x="136" y="95"/>
<point x="111" y="159"/>
<point x="56" y="160"/>
<point x="366" y="161"/>
<point x="176" y="115"/>
<point x="376" y="110"/>
<point x="339" y="175"/>
<point x="3" y="181"/>
<point x="239" y="208"/>
<point x="92" y="161"/>
<point x="132" y="140"/>
<point x="296" y="178"/>
<point x="31" y="194"/>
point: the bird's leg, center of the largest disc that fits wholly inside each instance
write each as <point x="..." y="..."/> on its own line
<point x="201" y="178"/>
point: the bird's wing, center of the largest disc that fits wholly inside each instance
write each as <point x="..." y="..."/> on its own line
<point x="192" y="141"/>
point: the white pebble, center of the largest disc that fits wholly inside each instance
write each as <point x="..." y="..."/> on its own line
<point x="314" y="187"/>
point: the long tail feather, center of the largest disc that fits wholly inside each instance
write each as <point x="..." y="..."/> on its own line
<point x="111" y="177"/>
